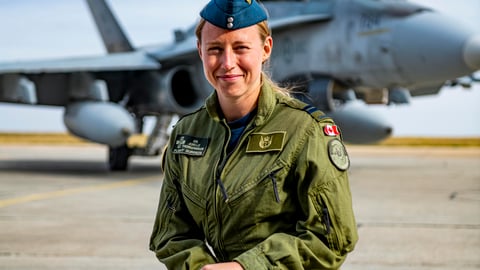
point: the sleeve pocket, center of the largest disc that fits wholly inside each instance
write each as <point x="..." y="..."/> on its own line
<point x="166" y="209"/>
<point x="333" y="205"/>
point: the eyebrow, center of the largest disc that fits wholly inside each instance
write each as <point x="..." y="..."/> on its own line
<point x="215" y="42"/>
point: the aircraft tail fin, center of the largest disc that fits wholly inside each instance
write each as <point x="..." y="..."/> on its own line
<point x="112" y="34"/>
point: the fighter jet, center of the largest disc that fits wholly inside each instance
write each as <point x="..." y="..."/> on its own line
<point x="340" y="55"/>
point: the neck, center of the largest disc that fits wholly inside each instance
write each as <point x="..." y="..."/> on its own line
<point x="236" y="108"/>
<point x="235" y="111"/>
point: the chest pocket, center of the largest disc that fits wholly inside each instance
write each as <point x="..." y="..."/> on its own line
<point x="261" y="198"/>
<point x="262" y="208"/>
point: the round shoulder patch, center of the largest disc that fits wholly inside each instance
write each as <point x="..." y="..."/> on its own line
<point x="338" y="154"/>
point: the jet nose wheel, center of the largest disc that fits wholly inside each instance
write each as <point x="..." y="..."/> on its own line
<point x="118" y="158"/>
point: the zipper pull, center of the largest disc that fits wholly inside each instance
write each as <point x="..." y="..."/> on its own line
<point x="171" y="206"/>
<point x="326" y="219"/>
<point x="222" y="188"/>
<point x="275" y="188"/>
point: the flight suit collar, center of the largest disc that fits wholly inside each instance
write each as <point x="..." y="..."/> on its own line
<point x="213" y="107"/>
<point x="266" y="104"/>
<point x="265" y="107"/>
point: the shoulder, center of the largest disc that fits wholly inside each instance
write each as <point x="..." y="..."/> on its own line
<point x="325" y="125"/>
<point x="188" y="118"/>
<point x="304" y="108"/>
<point x="326" y="133"/>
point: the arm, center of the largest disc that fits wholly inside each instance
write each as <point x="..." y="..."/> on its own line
<point x="176" y="240"/>
<point x="327" y="230"/>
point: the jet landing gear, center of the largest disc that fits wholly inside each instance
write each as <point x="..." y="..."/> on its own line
<point x="142" y="145"/>
<point x="118" y="158"/>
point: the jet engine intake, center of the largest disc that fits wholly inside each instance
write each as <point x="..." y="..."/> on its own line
<point x="321" y="92"/>
<point x="182" y="95"/>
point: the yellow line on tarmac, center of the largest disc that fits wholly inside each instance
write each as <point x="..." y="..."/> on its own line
<point x="72" y="191"/>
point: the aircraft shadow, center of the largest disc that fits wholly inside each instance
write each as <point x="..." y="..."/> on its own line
<point x="76" y="167"/>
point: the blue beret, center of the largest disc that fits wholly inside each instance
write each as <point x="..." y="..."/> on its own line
<point x="233" y="14"/>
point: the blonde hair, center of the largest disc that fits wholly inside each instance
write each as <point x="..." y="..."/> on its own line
<point x="265" y="32"/>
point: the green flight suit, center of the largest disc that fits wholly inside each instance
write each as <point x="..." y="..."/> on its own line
<point x="278" y="201"/>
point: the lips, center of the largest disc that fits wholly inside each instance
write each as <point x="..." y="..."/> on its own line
<point x="232" y="76"/>
<point x="229" y="77"/>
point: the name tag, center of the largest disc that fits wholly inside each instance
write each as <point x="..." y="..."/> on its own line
<point x="190" y="146"/>
<point x="265" y="142"/>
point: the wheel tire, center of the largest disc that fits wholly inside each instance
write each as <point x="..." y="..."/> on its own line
<point x="118" y="158"/>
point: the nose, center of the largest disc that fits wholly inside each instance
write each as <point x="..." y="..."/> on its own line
<point x="228" y="59"/>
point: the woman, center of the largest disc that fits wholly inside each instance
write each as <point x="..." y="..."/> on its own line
<point x="254" y="179"/>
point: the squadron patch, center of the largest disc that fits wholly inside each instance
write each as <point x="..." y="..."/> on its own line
<point x="265" y="142"/>
<point x="338" y="154"/>
<point x="190" y="146"/>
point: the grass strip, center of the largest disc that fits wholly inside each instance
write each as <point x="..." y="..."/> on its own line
<point x="64" y="138"/>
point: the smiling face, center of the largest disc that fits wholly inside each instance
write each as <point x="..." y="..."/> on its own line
<point x="232" y="62"/>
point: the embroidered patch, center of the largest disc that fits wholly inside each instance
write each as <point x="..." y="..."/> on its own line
<point x="331" y="130"/>
<point x="190" y="146"/>
<point x="265" y="142"/>
<point x="338" y="154"/>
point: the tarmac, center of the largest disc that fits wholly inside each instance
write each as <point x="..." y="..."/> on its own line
<point x="417" y="208"/>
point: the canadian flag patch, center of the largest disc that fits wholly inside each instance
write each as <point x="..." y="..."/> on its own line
<point x="331" y="130"/>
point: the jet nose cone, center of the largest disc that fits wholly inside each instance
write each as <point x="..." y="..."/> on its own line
<point x="431" y="47"/>
<point x="471" y="52"/>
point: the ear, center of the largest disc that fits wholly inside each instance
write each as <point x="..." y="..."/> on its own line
<point x="199" y="48"/>
<point x="267" y="48"/>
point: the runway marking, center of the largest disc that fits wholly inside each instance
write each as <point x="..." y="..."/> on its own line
<point x="72" y="191"/>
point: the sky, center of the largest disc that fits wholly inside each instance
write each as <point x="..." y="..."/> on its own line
<point x="48" y="29"/>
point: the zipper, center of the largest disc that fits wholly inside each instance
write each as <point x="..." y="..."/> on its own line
<point x="227" y="157"/>
<point x="221" y="164"/>
<point x="170" y="206"/>
<point x="218" y="178"/>
<point x="218" y="172"/>
<point x="168" y="211"/>
<point x="272" y="176"/>
<point x="326" y="219"/>
<point x="334" y="235"/>
<point x="222" y="189"/>
<point x="218" y="215"/>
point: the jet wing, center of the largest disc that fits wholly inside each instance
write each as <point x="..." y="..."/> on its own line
<point x="186" y="49"/>
<point x="112" y="62"/>
<point x="295" y="21"/>
<point x="56" y="82"/>
<point x="283" y="15"/>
